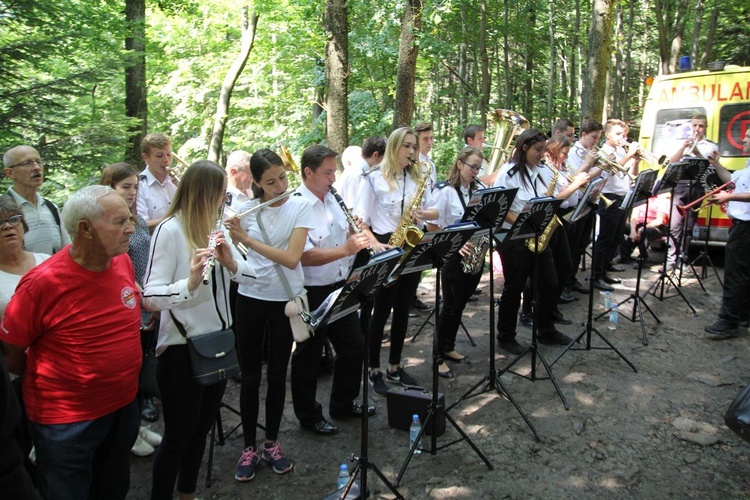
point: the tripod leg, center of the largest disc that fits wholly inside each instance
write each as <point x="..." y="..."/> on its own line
<point x="424" y="323"/>
<point x="468" y="440"/>
<point x="503" y="391"/>
<point x="471" y="340"/>
<point x="387" y="483"/>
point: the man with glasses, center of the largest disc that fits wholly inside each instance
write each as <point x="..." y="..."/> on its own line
<point x="25" y="168"/>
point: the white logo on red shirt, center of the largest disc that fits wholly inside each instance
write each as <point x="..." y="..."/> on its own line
<point x="128" y="297"/>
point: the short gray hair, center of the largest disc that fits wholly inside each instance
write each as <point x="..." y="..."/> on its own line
<point x="84" y="204"/>
<point x="238" y="159"/>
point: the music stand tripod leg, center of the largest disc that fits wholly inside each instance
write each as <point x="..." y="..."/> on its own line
<point x="492" y="381"/>
<point x="436" y="408"/>
<point x="424" y="323"/>
<point x="588" y="328"/>
<point x="363" y="462"/>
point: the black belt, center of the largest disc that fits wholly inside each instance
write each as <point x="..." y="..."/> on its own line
<point x="332" y="286"/>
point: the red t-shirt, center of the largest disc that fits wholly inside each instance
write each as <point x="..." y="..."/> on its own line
<point x="82" y="330"/>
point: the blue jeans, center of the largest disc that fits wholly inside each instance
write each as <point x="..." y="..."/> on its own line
<point x="89" y="459"/>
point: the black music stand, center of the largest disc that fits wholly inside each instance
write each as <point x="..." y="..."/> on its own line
<point x="531" y="223"/>
<point x="431" y="252"/>
<point x="357" y="294"/>
<point x="638" y="195"/>
<point x="711" y="182"/>
<point x="427" y="321"/>
<point x="489" y="218"/>
<point x="582" y="210"/>
<point x="675" y="173"/>
<point x="697" y="171"/>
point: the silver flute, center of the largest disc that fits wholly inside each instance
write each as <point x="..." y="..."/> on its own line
<point x="212" y="244"/>
<point x="349" y="217"/>
<point x="240" y="246"/>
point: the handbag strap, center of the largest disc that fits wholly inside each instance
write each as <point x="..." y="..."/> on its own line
<point x="213" y="294"/>
<point x="282" y="276"/>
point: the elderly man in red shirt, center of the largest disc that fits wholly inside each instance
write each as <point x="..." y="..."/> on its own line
<point x="72" y="330"/>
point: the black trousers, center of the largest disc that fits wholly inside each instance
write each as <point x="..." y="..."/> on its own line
<point x="397" y="298"/>
<point x="189" y="411"/>
<point x="611" y="220"/>
<point x="252" y="316"/>
<point x="683" y="194"/>
<point x="346" y="336"/>
<point x="518" y="266"/>
<point x="560" y="248"/>
<point x="457" y="289"/>
<point x="579" y="237"/>
<point x="735" y="305"/>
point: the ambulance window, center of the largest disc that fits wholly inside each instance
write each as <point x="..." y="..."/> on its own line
<point x="672" y="127"/>
<point x="734" y="120"/>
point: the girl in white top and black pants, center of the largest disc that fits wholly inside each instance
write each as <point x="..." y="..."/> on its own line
<point x="262" y="303"/>
<point x="172" y="284"/>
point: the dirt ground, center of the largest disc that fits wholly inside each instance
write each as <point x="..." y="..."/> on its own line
<point x="654" y="433"/>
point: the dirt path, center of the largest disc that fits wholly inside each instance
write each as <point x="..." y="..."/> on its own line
<point x="652" y="434"/>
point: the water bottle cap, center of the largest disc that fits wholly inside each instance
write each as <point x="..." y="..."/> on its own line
<point x="415" y="417"/>
<point x="344" y="467"/>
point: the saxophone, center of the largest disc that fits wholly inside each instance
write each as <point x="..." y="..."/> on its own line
<point x="474" y="262"/>
<point x="407" y="234"/>
<point x="541" y="245"/>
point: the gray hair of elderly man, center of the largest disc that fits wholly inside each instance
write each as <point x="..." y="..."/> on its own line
<point x="84" y="204"/>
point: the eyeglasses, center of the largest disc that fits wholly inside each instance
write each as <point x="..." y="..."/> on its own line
<point x="28" y="163"/>
<point x="13" y="220"/>
<point x="474" y="168"/>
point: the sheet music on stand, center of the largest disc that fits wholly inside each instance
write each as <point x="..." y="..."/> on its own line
<point x="641" y="190"/>
<point x="364" y="280"/>
<point x="535" y="216"/>
<point x="695" y="170"/>
<point x="442" y="244"/>
<point x="590" y="198"/>
<point x="489" y="208"/>
<point x="671" y="177"/>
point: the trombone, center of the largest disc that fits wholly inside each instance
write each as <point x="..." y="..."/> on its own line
<point x="177" y="172"/>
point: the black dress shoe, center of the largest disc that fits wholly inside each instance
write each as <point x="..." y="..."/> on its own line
<point x="355" y="411"/>
<point x="465" y="360"/>
<point x="602" y="285"/>
<point x="322" y="428"/>
<point x="566" y="296"/>
<point x="511" y="346"/>
<point x="560" y="319"/>
<point x="526" y="319"/>
<point x="610" y="280"/>
<point x="579" y="287"/>
<point x="149" y="412"/>
<point x="615" y="268"/>
<point x="448" y="374"/>
<point x="722" y="329"/>
<point x="554" y="338"/>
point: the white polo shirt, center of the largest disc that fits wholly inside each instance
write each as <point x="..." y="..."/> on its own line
<point x="154" y="197"/>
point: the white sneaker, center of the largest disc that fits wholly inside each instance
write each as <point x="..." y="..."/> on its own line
<point x="141" y="448"/>
<point x="149" y="436"/>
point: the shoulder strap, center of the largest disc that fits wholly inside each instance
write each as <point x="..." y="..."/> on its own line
<point x="282" y="276"/>
<point x="52" y="208"/>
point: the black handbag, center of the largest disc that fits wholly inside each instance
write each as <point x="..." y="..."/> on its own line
<point x="212" y="355"/>
<point x="737" y="416"/>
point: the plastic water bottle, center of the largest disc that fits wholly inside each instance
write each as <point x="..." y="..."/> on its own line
<point x="607" y="300"/>
<point x="614" y="317"/>
<point x="416" y="425"/>
<point x="696" y="231"/>
<point x="343" y="476"/>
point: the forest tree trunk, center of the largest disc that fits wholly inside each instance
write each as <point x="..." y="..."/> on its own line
<point x="407" y="64"/>
<point x="597" y="60"/>
<point x="337" y="74"/>
<point x="227" y="86"/>
<point x="136" y="105"/>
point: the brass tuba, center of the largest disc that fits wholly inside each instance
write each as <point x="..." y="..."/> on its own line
<point x="507" y="124"/>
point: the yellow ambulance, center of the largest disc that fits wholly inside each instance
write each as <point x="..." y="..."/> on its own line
<point x="723" y="95"/>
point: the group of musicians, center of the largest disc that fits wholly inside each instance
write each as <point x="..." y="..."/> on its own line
<point x="305" y="243"/>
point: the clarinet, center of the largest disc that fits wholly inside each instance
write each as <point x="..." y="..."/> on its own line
<point x="348" y="215"/>
<point x="212" y="242"/>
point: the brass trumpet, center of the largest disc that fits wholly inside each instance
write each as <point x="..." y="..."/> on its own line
<point x="604" y="162"/>
<point x="683" y="209"/>
<point x="177" y="172"/>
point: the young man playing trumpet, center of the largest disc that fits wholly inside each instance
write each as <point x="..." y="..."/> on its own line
<point x="735" y="303"/>
<point x="155" y="186"/>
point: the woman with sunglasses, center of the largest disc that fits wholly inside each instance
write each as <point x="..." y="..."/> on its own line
<point x="457" y="285"/>
<point x="525" y="172"/>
